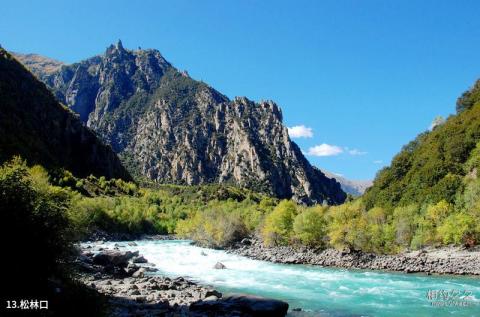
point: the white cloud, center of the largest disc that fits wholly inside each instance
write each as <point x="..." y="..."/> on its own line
<point x="355" y="152"/>
<point x="300" y="131"/>
<point x="377" y="162"/>
<point x="439" y="120"/>
<point x="332" y="150"/>
<point x="325" y="150"/>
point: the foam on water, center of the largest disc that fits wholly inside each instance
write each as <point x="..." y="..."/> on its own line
<point x="323" y="291"/>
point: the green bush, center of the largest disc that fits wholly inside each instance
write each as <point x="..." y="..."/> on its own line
<point x="278" y="225"/>
<point x="405" y="225"/>
<point x="460" y="228"/>
<point x="33" y="222"/>
<point x="346" y="228"/>
<point x="310" y="226"/>
<point x="213" y="228"/>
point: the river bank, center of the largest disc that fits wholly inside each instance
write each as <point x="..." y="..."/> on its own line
<point x="126" y="279"/>
<point x="317" y="290"/>
<point x="447" y="260"/>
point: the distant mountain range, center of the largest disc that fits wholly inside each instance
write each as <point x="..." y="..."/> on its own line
<point x="171" y="128"/>
<point x="34" y="125"/>
<point x="352" y="187"/>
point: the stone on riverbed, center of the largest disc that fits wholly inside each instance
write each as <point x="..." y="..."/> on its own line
<point x="213" y="293"/>
<point x="246" y="304"/>
<point x="115" y="258"/>
<point x="219" y="266"/>
<point x="139" y="259"/>
<point x="139" y="273"/>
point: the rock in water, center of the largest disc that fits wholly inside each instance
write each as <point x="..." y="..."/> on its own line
<point x="258" y="306"/>
<point x="139" y="259"/>
<point x="219" y="266"/>
<point x="246" y="304"/>
<point x="114" y="258"/>
<point x="139" y="273"/>
<point x="174" y="129"/>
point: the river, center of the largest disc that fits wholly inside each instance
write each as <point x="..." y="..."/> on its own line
<point x="318" y="290"/>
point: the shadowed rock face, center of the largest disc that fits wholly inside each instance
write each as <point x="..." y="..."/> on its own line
<point x="173" y="129"/>
<point x="34" y="125"/>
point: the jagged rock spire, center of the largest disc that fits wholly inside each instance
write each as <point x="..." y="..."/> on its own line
<point x="115" y="48"/>
<point x="119" y="45"/>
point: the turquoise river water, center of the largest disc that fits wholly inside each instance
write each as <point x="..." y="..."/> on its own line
<point x="317" y="290"/>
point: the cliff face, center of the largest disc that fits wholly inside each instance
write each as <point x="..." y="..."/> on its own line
<point x="34" y="125"/>
<point x="173" y="129"/>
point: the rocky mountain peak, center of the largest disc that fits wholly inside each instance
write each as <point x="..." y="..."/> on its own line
<point x="119" y="45"/>
<point x="115" y="49"/>
<point x="173" y="129"/>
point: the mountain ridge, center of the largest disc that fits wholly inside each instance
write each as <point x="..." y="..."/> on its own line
<point x="173" y="129"/>
<point x="34" y="125"/>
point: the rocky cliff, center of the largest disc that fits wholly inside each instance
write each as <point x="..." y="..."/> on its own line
<point x="34" y="125"/>
<point x="173" y="129"/>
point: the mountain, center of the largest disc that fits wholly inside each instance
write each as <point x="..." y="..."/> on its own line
<point x="38" y="64"/>
<point x="353" y="187"/>
<point x="173" y="129"/>
<point x="437" y="165"/>
<point x="34" y="125"/>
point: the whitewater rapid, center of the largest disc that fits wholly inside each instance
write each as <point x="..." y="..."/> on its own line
<point x="320" y="291"/>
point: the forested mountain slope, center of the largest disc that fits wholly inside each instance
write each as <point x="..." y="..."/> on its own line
<point x="34" y="125"/>
<point x="437" y="165"/>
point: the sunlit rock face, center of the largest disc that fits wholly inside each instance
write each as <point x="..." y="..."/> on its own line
<point x="173" y="129"/>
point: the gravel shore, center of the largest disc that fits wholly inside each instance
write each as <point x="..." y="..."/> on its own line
<point x="447" y="260"/>
<point x="127" y="279"/>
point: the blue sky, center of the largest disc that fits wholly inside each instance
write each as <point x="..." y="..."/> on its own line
<point x="365" y="76"/>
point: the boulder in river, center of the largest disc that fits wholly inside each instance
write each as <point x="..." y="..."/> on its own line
<point x="139" y="259"/>
<point x="219" y="266"/>
<point x="249" y="305"/>
<point x="139" y="273"/>
<point x="113" y="258"/>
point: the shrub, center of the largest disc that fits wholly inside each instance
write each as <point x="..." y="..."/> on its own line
<point x="404" y="223"/>
<point x="213" y="228"/>
<point x="428" y="222"/>
<point x="377" y="231"/>
<point x="347" y="224"/>
<point x="460" y="228"/>
<point x="279" y="223"/>
<point x="310" y="226"/>
<point x="34" y="220"/>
